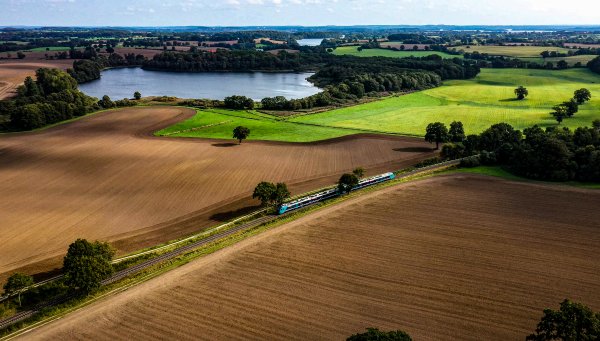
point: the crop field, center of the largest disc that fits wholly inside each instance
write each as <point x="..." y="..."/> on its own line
<point x="479" y="261"/>
<point x="478" y="103"/>
<point x="512" y="51"/>
<point x="219" y="124"/>
<point x="106" y="177"/>
<point x="353" y="51"/>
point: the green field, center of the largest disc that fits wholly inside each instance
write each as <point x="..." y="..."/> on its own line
<point x="219" y="124"/>
<point x="512" y="51"/>
<point x="478" y="103"/>
<point x="572" y="60"/>
<point x="353" y="51"/>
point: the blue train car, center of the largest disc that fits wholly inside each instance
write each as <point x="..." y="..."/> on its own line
<point x="330" y="193"/>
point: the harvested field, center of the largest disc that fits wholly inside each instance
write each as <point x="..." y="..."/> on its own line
<point x="459" y="257"/>
<point x="104" y="177"/>
<point x="13" y="72"/>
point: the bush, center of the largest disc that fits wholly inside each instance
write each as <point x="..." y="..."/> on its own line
<point x="487" y="158"/>
<point x="428" y="162"/>
<point x="239" y="102"/>
<point x="470" y="162"/>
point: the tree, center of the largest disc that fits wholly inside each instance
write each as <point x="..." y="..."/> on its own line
<point x="562" y="64"/>
<point x="137" y="95"/>
<point x="87" y="264"/>
<point x="280" y="194"/>
<point x="347" y="182"/>
<point x="436" y="132"/>
<point x="559" y="113"/>
<point x="106" y="102"/>
<point x="264" y="192"/>
<point x="374" y="334"/>
<point x="571" y="107"/>
<point x="572" y="322"/>
<point x="521" y="92"/>
<point x="457" y="132"/>
<point x="20" y="55"/>
<point x="596" y="125"/>
<point x="582" y="95"/>
<point x="359" y="172"/>
<point x="16" y="283"/>
<point x="241" y="133"/>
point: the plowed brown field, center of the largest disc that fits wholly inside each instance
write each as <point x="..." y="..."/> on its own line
<point x="13" y="72"/>
<point x="449" y="258"/>
<point x="104" y="177"/>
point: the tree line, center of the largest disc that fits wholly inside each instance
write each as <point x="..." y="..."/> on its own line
<point x="553" y="154"/>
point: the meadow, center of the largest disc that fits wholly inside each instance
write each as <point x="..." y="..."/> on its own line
<point x="353" y="51"/>
<point x="478" y="103"/>
<point x="219" y="124"/>
<point x="511" y="51"/>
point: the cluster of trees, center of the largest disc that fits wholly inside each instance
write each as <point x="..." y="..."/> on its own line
<point x="374" y="334"/>
<point x="569" y="108"/>
<point x="502" y="62"/>
<point x="86" y="70"/>
<point x="51" y="98"/>
<point x="238" y="102"/>
<point x="571" y="322"/>
<point x="552" y="154"/>
<point x="233" y="60"/>
<point x="594" y="65"/>
<point x="271" y="194"/>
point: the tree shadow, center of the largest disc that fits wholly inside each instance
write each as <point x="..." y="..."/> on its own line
<point x="229" y="215"/>
<point x="224" y="144"/>
<point x="414" y="149"/>
<point x="511" y="100"/>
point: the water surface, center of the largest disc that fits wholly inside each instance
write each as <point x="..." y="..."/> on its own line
<point x="122" y="83"/>
<point x="310" y="42"/>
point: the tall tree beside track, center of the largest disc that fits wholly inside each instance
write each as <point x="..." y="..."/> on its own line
<point x="436" y="132"/>
<point x="347" y="182"/>
<point x="241" y="133"/>
<point x="280" y="194"/>
<point x="572" y="322"/>
<point x="16" y="283"/>
<point x="457" y="132"/>
<point x="264" y="192"/>
<point x="87" y="264"/>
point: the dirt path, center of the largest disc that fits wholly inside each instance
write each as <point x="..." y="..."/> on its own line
<point x="460" y="257"/>
<point x="103" y="177"/>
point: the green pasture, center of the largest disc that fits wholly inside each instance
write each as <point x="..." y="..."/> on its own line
<point x="353" y="51"/>
<point x="511" y="51"/>
<point x="219" y="124"/>
<point x="50" y="48"/>
<point x="478" y="103"/>
<point x="572" y="60"/>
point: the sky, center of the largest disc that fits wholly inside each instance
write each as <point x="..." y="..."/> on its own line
<point x="297" y="12"/>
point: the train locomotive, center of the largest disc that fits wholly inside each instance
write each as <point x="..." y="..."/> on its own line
<point x="331" y="193"/>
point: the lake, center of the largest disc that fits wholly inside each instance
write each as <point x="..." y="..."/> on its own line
<point x="310" y="42"/>
<point x="123" y="82"/>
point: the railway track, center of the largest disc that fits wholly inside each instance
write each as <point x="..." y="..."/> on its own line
<point x="180" y="251"/>
<point x="140" y="267"/>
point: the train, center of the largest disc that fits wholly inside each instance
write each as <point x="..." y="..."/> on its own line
<point x="331" y="193"/>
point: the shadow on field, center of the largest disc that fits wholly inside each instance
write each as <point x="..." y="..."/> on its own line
<point x="511" y="100"/>
<point x="414" y="149"/>
<point x="229" y="215"/>
<point x="224" y="144"/>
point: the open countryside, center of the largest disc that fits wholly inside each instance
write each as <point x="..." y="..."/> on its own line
<point x="337" y="172"/>
<point x="478" y="103"/>
<point x="481" y="256"/>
